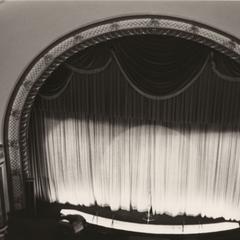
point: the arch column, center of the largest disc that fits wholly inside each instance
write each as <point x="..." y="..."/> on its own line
<point x="4" y="208"/>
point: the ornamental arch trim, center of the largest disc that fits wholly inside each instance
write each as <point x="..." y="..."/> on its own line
<point x="20" y="104"/>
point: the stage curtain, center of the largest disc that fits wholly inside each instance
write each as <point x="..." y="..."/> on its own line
<point x="102" y="142"/>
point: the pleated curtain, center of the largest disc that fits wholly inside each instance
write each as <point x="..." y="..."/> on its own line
<point x="102" y="142"/>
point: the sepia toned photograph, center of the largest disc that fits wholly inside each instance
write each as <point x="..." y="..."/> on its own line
<point x="120" y="120"/>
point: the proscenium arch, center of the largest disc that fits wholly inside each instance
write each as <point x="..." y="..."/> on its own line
<point x="22" y="99"/>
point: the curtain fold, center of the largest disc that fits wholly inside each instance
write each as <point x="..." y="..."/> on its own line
<point x="101" y="142"/>
<point x="160" y="67"/>
<point x="225" y="68"/>
<point x="56" y="83"/>
<point x="91" y="60"/>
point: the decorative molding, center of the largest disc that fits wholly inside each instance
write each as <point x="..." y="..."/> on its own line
<point x="48" y="58"/>
<point x="27" y="85"/>
<point x="194" y="29"/>
<point x="13" y="144"/>
<point x="78" y="38"/>
<point x="114" y="26"/>
<point x="1" y="154"/>
<point x="231" y="45"/>
<point x="16" y="123"/>
<point x="16" y="114"/>
<point x="3" y="197"/>
<point x="154" y="23"/>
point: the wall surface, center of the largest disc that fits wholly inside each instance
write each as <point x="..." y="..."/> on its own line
<point x="26" y="28"/>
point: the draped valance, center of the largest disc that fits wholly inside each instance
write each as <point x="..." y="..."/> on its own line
<point x="156" y="67"/>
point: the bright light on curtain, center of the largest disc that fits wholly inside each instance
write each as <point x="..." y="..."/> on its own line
<point x="120" y="164"/>
<point x="103" y="143"/>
